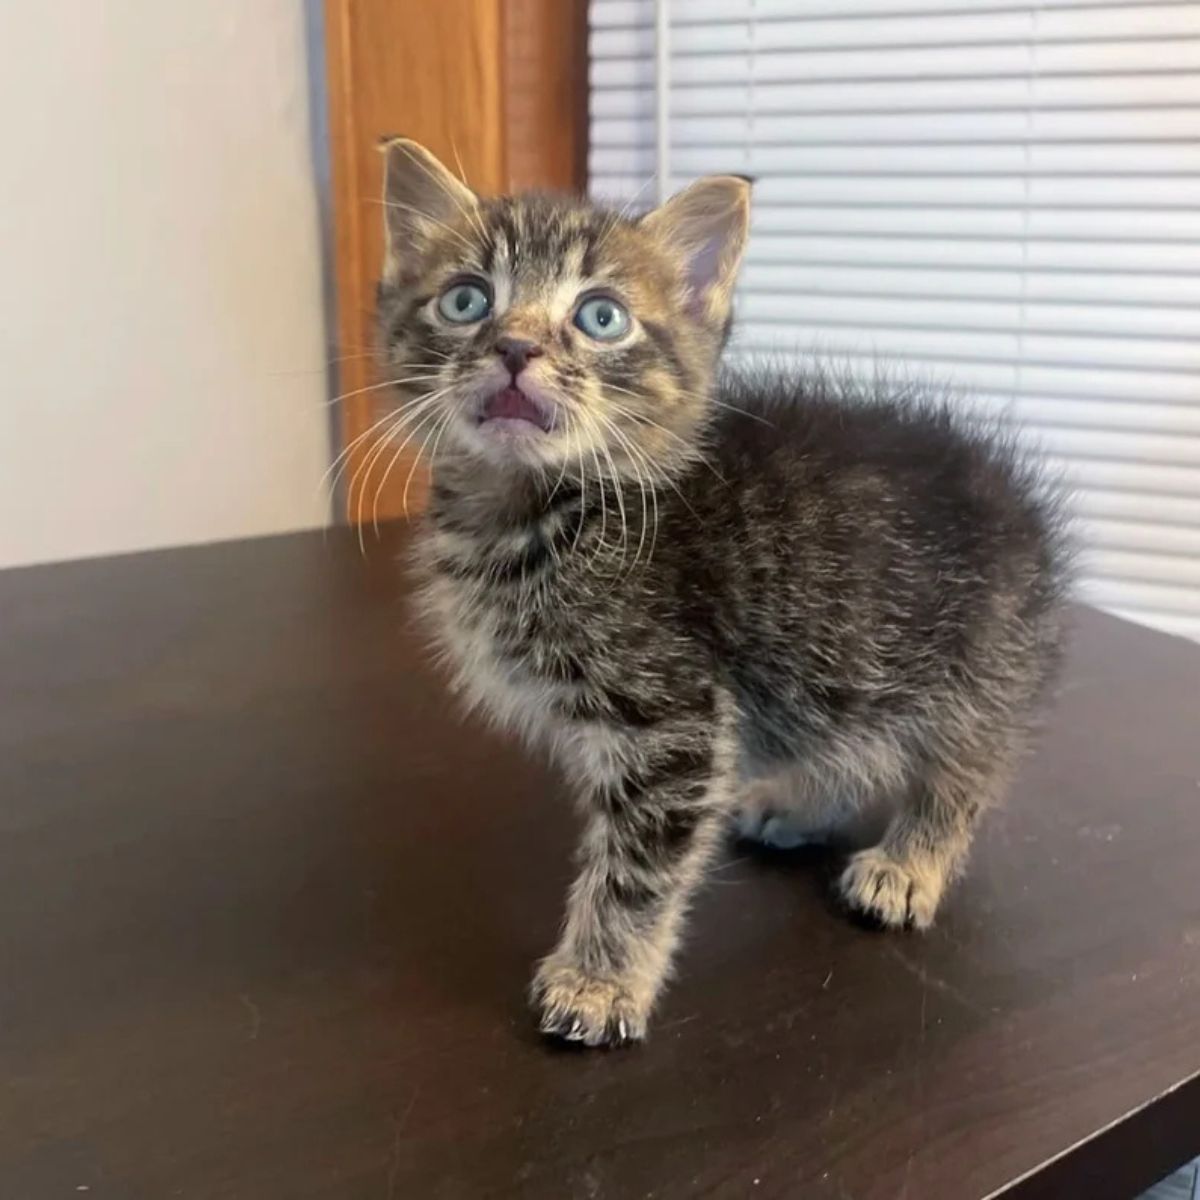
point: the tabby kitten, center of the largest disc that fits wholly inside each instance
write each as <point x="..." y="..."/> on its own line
<point x="754" y="601"/>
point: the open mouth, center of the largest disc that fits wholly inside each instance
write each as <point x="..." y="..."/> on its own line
<point x="512" y="408"/>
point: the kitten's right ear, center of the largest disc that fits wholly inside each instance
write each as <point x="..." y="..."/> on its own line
<point x="420" y="196"/>
<point x="706" y="226"/>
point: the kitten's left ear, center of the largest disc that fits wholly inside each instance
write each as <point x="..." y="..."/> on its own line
<point x="706" y="225"/>
<point x="420" y="196"/>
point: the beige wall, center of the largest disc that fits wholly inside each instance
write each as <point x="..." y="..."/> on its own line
<point x="161" y="334"/>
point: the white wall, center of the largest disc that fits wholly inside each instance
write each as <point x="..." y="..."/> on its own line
<point x="161" y="332"/>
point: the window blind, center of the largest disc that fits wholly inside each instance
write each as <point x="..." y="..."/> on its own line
<point x="998" y="196"/>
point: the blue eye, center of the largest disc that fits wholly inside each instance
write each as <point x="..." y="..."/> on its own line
<point x="602" y="319"/>
<point x="464" y="303"/>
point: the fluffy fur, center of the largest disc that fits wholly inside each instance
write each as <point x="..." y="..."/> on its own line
<point x="752" y="599"/>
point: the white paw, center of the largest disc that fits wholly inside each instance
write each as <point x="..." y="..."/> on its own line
<point x="779" y="829"/>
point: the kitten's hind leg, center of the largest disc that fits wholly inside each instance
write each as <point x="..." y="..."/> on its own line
<point x="900" y="882"/>
<point x="789" y="808"/>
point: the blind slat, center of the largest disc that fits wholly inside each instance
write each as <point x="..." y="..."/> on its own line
<point x="904" y="62"/>
<point x="1014" y="26"/>
<point x="936" y="360"/>
<point x="800" y="97"/>
<point x="625" y="13"/>
<point x="975" y="160"/>
<point x="1176" y="512"/>
<point x="1176" y="570"/>
<point x="1133" y="596"/>
<point x="1114" y="415"/>
<point x="1013" y="225"/>
<point x="805" y="277"/>
<point x="1144" y="536"/>
<point x="932" y="193"/>
<point x="1181" y="122"/>
<point x="1164" y="357"/>
<point x="1119" y="322"/>
<point x="1162" y="255"/>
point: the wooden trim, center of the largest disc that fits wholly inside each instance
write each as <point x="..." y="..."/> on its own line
<point x="347" y="241"/>
<point x="545" y="94"/>
<point x="497" y="88"/>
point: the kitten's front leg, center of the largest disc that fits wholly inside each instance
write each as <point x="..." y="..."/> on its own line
<point x="653" y="824"/>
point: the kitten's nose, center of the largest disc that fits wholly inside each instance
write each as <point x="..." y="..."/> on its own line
<point x="516" y="352"/>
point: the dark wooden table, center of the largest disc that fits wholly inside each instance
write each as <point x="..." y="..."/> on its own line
<point x="267" y="909"/>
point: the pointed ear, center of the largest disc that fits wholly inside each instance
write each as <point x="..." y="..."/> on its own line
<point x="705" y="226"/>
<point x="420" y="196"/>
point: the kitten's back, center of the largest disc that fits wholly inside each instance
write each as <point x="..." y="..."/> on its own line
<point x="882" y="507"/>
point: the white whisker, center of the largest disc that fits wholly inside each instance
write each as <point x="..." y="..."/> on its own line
<point x="635" y="460"/>
<point x="439" y="429"/>
<point x="568" y="421"/>
<point x="343" y="456"/>
<point x="745" y="412"/>
<point x="376" y="387"/>
<point x="693" y="451"/>
<point x="619" y="495"/>
<point x="602" y="545"/>
<point x="395" y="421"/>
<point x="582" y="489"/>
<point x="431" y="411"/>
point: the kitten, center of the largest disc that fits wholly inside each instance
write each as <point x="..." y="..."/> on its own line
<point x="758" y="600"/>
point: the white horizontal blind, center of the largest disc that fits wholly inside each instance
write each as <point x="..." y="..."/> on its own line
<point x="1002" y="196"/>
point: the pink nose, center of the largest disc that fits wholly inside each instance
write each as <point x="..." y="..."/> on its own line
<point x="516" y="352"/>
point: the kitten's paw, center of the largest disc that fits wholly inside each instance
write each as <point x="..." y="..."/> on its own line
<point x="593" y="1010"/>
<point x="779" y="830"/>
<point x="897" y="894"/>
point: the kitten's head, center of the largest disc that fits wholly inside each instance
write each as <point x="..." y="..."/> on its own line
<point x="545" y="332"/>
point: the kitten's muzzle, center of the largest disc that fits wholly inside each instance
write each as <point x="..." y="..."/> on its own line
<point x="516" y="352"/>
